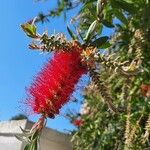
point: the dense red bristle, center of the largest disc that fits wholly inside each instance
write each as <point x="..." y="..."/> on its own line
<point x="77" y="122"/>
<point x="55" y="83"/>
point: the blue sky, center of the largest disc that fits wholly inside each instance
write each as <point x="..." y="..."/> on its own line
<point x="18" y="64"/>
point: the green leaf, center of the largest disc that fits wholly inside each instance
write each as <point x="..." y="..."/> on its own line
<point x="107" y="24"/>
<point x="129" y="7"/>
<point x="105" y="45"/>
<point x="32" y="146"/>
<point x="120" y="16"/>
<point x="36" y="144"/>
<point x="27" y="147"/>
<point x="29" y="29"/>
<point x="100" y="41"/>
<point x="35" y="135"/>
<point x="99" y="29"/>
<point x="71" y="33"/>
<point x="91" y="31"/>
<point x="80" y="35"/>
<point x="99" y="7"/>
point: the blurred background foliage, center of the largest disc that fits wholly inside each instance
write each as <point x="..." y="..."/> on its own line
<point x="116" y="108"/>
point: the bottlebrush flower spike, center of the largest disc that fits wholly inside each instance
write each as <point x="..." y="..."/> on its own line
<point x="55" y="83"/>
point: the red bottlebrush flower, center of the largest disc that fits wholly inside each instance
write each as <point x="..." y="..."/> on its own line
<point x="53" y="86"/>
<point x="145" y="90"/>
<point x="77" y="122"/>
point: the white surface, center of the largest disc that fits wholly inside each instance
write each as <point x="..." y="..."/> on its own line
<point x="50" y="139"/>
